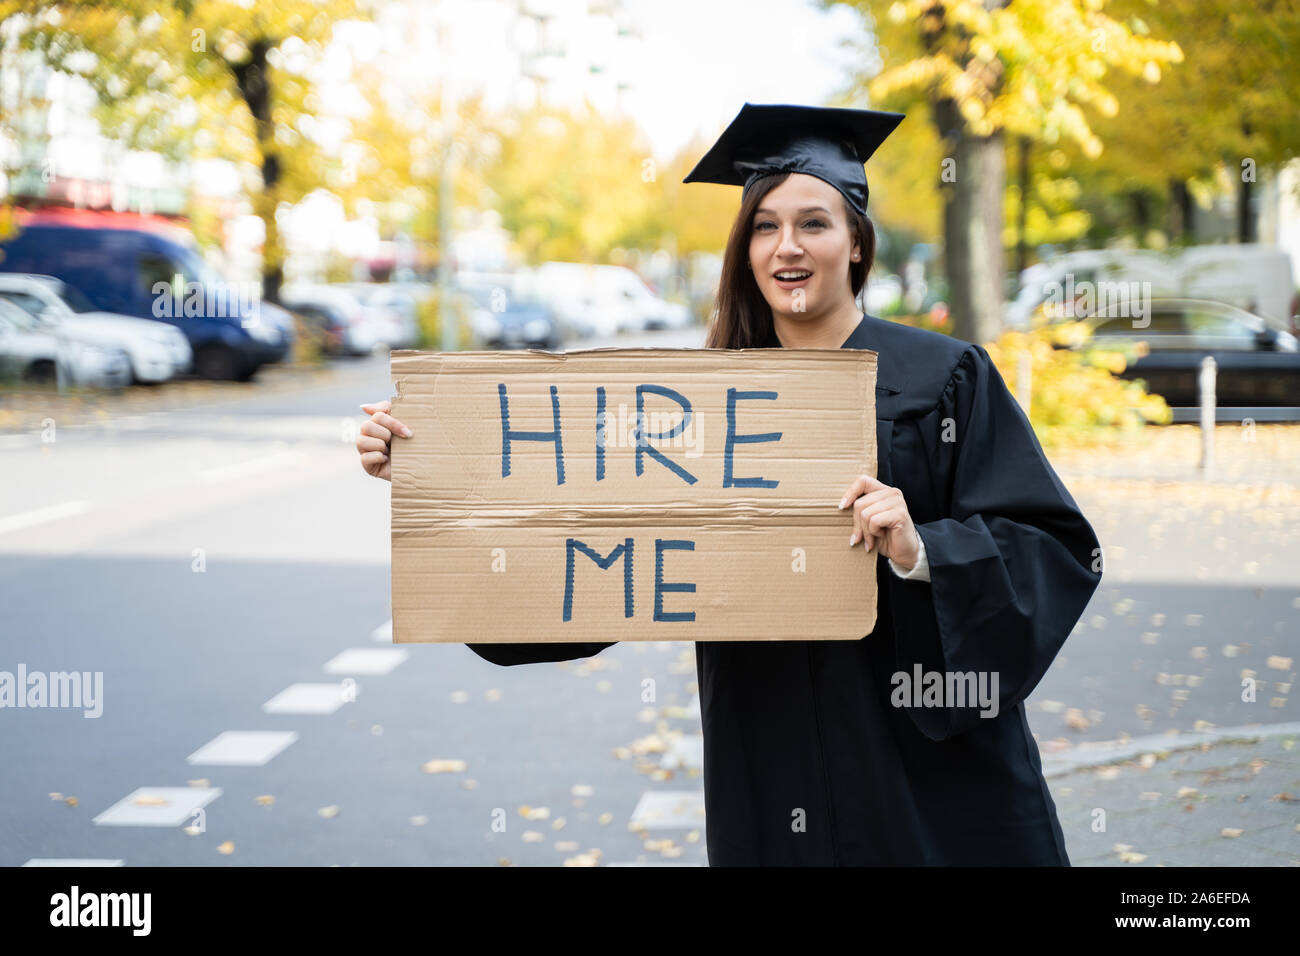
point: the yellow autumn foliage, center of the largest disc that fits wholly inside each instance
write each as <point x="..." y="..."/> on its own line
<point x="1076" y="396"/>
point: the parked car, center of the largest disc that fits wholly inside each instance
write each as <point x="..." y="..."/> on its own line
<point x="349" y="326"/>
<point x="603" y="299"/>
<point x="157" y="351"/>
<point x="136" y="266"/>
<point x="30" y="353"/>
<point x="1257" y="364"/>
<point x="1254" y="276"/>
<point x="510" y="322"/>
<point x="400" y="306"/>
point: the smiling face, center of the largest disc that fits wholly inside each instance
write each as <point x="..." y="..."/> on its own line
<point x="800" y="248"/>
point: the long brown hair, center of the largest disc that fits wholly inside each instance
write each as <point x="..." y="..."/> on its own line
<point x="742" y="318"/>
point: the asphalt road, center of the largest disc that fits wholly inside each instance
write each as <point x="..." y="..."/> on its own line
<point x="205" y="560"/>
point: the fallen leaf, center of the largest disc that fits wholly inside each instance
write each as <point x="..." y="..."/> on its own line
<point x="226" y="848"/>
<point x="1231" y="832"/>
<point x="444" y="766"/>
<point x="330" y="812"/>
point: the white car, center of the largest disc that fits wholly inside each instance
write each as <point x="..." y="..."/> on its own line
<point x="156" y="351"/>
<point x="28" y="353"/>
<point x="360" y="329"/>
<point x="402" y="310"/>
<point x="604" y="300"/>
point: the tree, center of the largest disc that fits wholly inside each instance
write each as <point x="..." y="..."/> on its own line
<point x="232" y="75"/>
<point x="575" y="185"/>
<point x="979" y="70"/>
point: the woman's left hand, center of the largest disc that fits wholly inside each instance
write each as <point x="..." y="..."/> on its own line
<point x="879" y="511"/>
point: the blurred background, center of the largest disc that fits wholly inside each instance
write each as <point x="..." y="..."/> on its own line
<point x="218" y="218"/>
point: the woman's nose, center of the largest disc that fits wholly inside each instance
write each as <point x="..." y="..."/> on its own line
<point x="788" y="246"/>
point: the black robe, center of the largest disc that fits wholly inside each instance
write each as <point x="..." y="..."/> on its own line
<point x="811" y="754"/>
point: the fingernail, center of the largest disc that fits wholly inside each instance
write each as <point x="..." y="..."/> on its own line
<point x="406" y="431"/>
<point x="853" y="539"/>
<point x="844" y="501"/>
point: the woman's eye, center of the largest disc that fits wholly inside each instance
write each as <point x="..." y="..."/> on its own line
<point x="814" y="224"/>
<point x="759" y="227"/>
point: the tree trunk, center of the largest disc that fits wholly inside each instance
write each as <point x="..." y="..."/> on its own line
<point x="254" y="81"/>
<point x="1022" y="211"/>
<point x="1182" y="212"/>
<point x="972" y="222"/>
<point x="1141" y="214"/>
<point x="1247" y="230"/>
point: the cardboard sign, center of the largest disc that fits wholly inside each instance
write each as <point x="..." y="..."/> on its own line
<point x="631" y="495"/>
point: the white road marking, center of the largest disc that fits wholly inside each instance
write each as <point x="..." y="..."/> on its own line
<point x="39" y="861"/>
<point x="26" y="519"/>
<point x="669" y="809"/>
<point x="254" y="466"/>
<point x="370" y="661"/>
<point x="383" y="633"/>
<point x="656" y="863"/>
<point x="243" y="748"/>
<point x="308" y="699"/>
<point x="157" y="806"/>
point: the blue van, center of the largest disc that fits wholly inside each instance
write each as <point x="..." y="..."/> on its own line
<point x="128" y="265"/>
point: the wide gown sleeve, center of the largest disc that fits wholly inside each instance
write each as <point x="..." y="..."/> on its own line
<point x="1012" y="565"/>
<point x="509" y="654"/>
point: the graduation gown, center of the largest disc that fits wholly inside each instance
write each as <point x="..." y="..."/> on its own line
<point x="816" y="753"/>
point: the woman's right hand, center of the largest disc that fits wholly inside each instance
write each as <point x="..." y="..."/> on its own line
<point x="374" y="442"/>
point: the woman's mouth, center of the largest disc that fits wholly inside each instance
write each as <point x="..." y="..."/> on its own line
<point x="792" y="278"/>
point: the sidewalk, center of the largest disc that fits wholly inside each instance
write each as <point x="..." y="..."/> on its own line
<point x="1225" y="800"/>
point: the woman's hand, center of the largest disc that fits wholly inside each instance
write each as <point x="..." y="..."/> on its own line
<point x="880" y="511"/>
<point x="376" y="437"/>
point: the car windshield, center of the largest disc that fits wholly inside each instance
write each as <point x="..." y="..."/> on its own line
<point x="77" y="302"/>
<point x="17" y="317"/>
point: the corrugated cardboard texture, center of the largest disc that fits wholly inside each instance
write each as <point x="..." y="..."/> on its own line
<point x="479" y="557"/>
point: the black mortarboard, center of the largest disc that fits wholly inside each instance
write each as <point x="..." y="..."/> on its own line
<point x="827" y="142"/>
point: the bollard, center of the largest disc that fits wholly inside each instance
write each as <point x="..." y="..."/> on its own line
<point x="1207" y="376"/>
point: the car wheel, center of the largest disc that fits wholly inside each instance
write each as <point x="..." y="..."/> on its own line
<point x="215" y="362"/>
<point x="41" y="373"/>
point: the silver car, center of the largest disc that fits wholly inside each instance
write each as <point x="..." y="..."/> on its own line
<point x="156" y="350"/>
<point x="29" y="353"/>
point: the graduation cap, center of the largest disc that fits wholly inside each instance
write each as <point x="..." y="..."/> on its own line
<point x="827" y="142"/>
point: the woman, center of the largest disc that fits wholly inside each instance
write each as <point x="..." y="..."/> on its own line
<point x="909" y="746"/>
